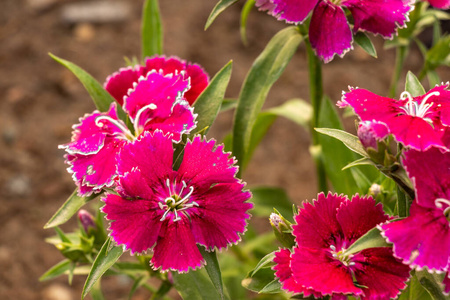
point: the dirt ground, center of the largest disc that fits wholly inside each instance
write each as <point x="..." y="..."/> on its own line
<point x="40" y="100"/>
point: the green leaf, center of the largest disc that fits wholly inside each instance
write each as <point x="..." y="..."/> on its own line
<point x="104" y="260"/>
<point x="195" y="285"/>
<point x="208" y="104"/>
<point x="372" y="239"/>
<point x="429" y="282"/>
<point x="433" y="78"/>
<point x="213" y="269"/>
<point x="414" y="291"/>
<point x="261" y="280"/>
<point x="152" y="33"/>
<point x="102" y="99"/>
<point x="96" y="292"/>
<point x="413" y="85"/>
<point x="68" y="209"/>
<point x="217" y="10"/>
<point x="265" y="262"/>
<point x="244" y="16"/>
<point x="272" y="287"/>
<point x="359" y="162"/>
<point x="228" y="104"/>
<point x="351" y="141"/>
<point x="268" y="198"/>
<point x="297" y="110"/>
<point x="57" y="270"/>
<point x="365" y="43"/>
<point x="439" y="54"/>
<point x="264" y="72"/>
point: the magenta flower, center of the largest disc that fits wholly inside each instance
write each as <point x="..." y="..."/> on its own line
<point x="441" y="4"/>
<point x="329" y="31"/>
<point x="156" y="102"/>
<point x="119" y="83"/>
<point x="423" y="239"/>
<point x="171" y="211"/>
<point x="370" y="133"/>
<point x="318" y="265"/>
<point x="418" y="122"/>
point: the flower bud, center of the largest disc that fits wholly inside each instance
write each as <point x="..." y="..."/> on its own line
<point x="86" y="220"/>
<point x="371" y="133"/>
<point x="375" y="190"/>
<point x="282" y="229"/>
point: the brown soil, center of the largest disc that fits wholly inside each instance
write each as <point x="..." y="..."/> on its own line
<point x="41" y="100"/>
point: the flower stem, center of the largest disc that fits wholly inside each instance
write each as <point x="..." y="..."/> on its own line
<point x="316" y="95"/>
<point x="400" y="56"/>
<point x="402" y="203"/>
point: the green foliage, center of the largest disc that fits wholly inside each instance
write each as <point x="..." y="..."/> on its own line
<point x="152" y="33"/>
<point x="414" y="291"/>
<point x="431" y="283"/>
<point x="102" y="99"/>
<point x="244" y="16"/>
<point x="365" y="43"/>
<point x="105" y="259"/>
<point x="59" y="269"/>
<point x="262" y="281"/>
<point x="372" y="239"/>
<point x="413" y="85"/>
<point x="208" y="104"/>
<point x="266" y="69"/>
<point x="195" y="285"/>
<point x="217" y="10"/>
<point x="351" y="141"/>
<point x="265" y="199"/>
<point x="68" y="209"/>
<point x="213" y="269"/>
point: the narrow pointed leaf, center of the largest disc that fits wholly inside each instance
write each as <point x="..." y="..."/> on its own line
<point x="365" y="43"/>
<point x="104" y="260"/>
<point x="213" y="269"/>
<point x="265" y="262"/>
<point x="264" y="72"/>
<point x="371" y="239"/>
<point x="413" y="85"/>
<point x="208" y="104"/>
<point x="296" y="110"/>
<point x="217" y="10"/>
<point x="414" y="291"/>
<point x="96" y="292"/>
<point x="68" y="209"/>
<point x="152" y="33"/>
<point x="102" y="99"/>
<point x="259" y="280"/>
<point x="244" y="16"/>
<point x="57" y="270"/>
<point x="195" y="285"/>
<point x="359" y="162"/>
<point x="272" y="287"/>
<point x="429" y="282"/>
<point x="350" y="140"/>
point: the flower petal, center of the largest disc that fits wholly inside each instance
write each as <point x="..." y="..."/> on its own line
<point x="316" y="269"/>
<point x="199" y="79"/>
<point x="284" y="274"/>
<point x="430" y="172"/>
<point x="205" y="164"/>
<point x="152" y="154"/>
<point x="220" y="216"/>
<point x="442" y="4"/>
<point x="135" y="223"/>
<point x="118" y="83"/>
<point x="293" y="11"/>
<point x="381" y="272"/>
<point x="358" y="216"/>
<point x="317" y="226"/>
<point x="416" y="238"/>
<point x="176" y="248"/>
<point x="93" y="172"/>
<point x="379" y="16"/>
<point x="329" y="31"/>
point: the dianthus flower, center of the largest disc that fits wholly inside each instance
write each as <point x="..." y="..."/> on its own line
<point x="329" y="31"/>
<point x="171" y="211"/>
<point x="423" y="239"/>
<point x="319" y="265"/>
<point x="155" y="102"/>
<point x="120" y="82"/>
<point x="441" y="4"/>
<point x="418" y="122"/>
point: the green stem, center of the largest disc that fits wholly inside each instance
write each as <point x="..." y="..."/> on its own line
<point x="316" y="95"/>
<point x="402" y="203"/>
<point x="400" y="56"/>
<point x="164" y="288"/>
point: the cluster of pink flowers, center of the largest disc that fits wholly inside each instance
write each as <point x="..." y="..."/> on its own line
<point x="151" y="205"/>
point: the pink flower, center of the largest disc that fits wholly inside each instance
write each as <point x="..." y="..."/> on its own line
<point x="318" y="265"/>
<point x="156" y="102"/>
<point x="417" y="122"/>
<point x="441" y="4"/>
<point x="119" y="83"/>
<point x="423" y="239"/>
<point x="329" y="31"/>
<point x="171" y="211"/>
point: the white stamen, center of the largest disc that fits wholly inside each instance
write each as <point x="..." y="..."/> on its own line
<point x="164" y="215"/>
<point x="332" y="247"/>
<point x="413" y="109"/>
<point x="440" y="202"/>
<point x="138" y="116"/>
<point x="168" y="185"/>
<point x="352" y="263"/>
<point x="125" y="130"/>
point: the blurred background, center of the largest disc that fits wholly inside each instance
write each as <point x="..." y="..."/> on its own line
<point x="41" y="100"/>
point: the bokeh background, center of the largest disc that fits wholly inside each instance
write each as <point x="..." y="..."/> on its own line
<point x="40" y="100"/>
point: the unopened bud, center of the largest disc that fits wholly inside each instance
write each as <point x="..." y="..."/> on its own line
<point x="375" y="190"/>
<point x="282" y="229"/>
<point x="370" y="133"/>
<point x="86" y="220"/>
